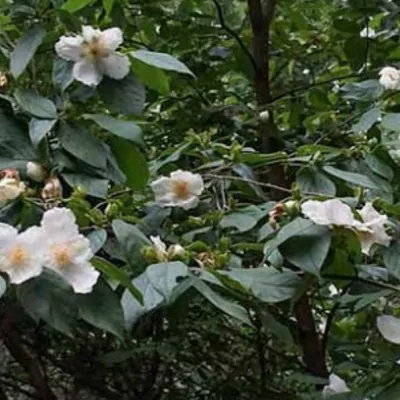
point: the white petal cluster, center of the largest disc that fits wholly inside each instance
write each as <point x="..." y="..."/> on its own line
<point x="94" y="54"/>
<point x="164" y="254"/>
<point x="389" y="78"/>
<point x="368" y="32"/>
<point x="370" y="231"/>
<point x="56" y="244"/>
<point x="336" y="386"/>
<point x="180" y="189"/>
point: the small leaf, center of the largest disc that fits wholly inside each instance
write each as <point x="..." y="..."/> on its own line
<point x="93" y="186"/>
<point x="164" y="276"/>
<point x="311" y="180"/>
<point x="97" y="239"/>
<point x="38" y="128"/>
<point x="391" y="122"/>
<point x="379" y="167"/>
<point x="124" y="129"/>
<point x="102" y="308"/>
<point x="366" y="121"/>
<point x="35" y="104"/>
<point x="75" y="5"/>
<point x="126" y="96"/>
<point x="161" y="60"/>
<point x="25" y="49"/>
<point x="351" y="177"/>
<point x="62" y="73"/>
<point x="132" y="163"/>
<point x="355" y="49"/>
<point x="245" y="219"/>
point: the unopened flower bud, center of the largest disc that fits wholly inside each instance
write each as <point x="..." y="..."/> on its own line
<point x="264" y="115"/>
<point x="150" y="254"/>
<point x="292" y="207"/>
<point x="10" y="189"/>
<point x="111" y="211"/>
<point x="35" y="171"/>
<point x="3" y="81"/>
<point x="10" y="173"/>
<point x="52" y="189"/>
<point x="175" y="251"/>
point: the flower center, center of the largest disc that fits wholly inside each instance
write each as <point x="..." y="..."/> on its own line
<point x="95" y="49"/>
<point x="180" y="189"/>
<point x="62" y="255"/>
<point x="17" y="255"/>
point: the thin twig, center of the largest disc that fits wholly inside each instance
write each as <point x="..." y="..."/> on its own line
<point x="233" y="33"/>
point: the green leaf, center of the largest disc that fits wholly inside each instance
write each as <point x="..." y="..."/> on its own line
<point x="35" y="104"/>
<point x="227" y="306"/>
<point x="3" y="286"/>
<point x="161" y="60"/>
<point x="117" y="274"/>
<point x="93" y="186"/>
<point x="108" y="5"/>
<point x="124" y="129"/>
<point x="390" y="393"/>
<point x="308" y="250"/>
<point x="391" y="122"/>
<point x="311" y="180"/>
<point x="365" y="91"/>
<point x="355" y="49"/>
<point x="75" y="5"/>
<point x="379" y="167"/>
<point x="152" y="77"/>
<point x="102" y="308"/>
<point x="163" y="277"/>
<point x="351" y="177"/>
<point x="280" y="331"/>
<point x="62" y="73"/>
<point x="49" y="298"/>
<point x="126" y="96"/>
<point x="133" y="310"/>
<point x="391" y="258"/>
<point x="266" y="283"/>
<point x="83" y="145"/>
<point x="367" y="120"/>
<point x="97" y="239"/>
<point x="38" y="128"/>
<point x="245" y="219"/>
<point x="25" y="49"/>
<point x="132" y="163"/>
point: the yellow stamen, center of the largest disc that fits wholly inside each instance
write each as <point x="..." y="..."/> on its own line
<point x="95" y="49"/>
<point x="180" y="189"/>
<point x="17" y="255"/>
<point x="62" y="255"/>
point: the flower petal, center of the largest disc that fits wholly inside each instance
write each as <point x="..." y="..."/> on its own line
<point x="158" y="244"/>
<point x="23" y="272"/>
<point x="82" y="277"/>
<point x="8" y="235"/>
<point x="116" y="65"/>
<point x="191" y="202"/>
<point x="112" y="38"/>
<point x="389" y="327"/>
<point x="89" y="33"/>
<point x="336" y="386"/>
<point x="338" y="213"/>
<point x="87" y="72"/>
<point x="161" y="186"/>
<point x="70" y="47"/>
<point x="59" y="223"/>
<point x="196" y="184"/>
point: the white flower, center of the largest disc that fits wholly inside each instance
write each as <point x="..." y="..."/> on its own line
<point x="389" y="77"/>
<point x="10" y="189"/>
<point x="264" y="115"/>
<point x="66" y="251"/>
<point x="35" y="171"/>
<point x="329" y="212"/>
<point x="52" y="189"/>
<point x="368" y="32"/>
<point x="94" y="55"/>
<point x="160" y="247"/>
<point x="336" y="386"/>
<point x="181" y="189"/>
<point x="372" y="229"/>
<point x="389" y="327"/>
<point x="21" y="254"/>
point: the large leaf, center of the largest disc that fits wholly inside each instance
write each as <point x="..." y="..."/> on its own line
<point x="49" y="298"/>
<point x="83" y="145"/>
<point x="391" y="258"/>
<point x="97" y="239"/>
<point x="132" y="163"/>
<point x="124" y="129"/>
<point x="38" y="128"/>
<point x="25" y="49"/>
<point x="164" y="276"/>
<point x="102" y="308"/>
<point x="35" y="104"/>
<point x="62" y="72"/>
<point x="133" y="310"/>
<point x="391" y="122"/>
<point x="379" y="167"/>
<point x="126" y="96"/>
<point x="93" y="186"/>
<point x="75" y="5"/>
<point x="351" y="177"/>
<point x="355" y="49"/>
<point x="367" y="120"/>
<point x="308" y="250"/>
<point x="266" y="283"/>
<point x="364" y="91"/>
<point x="154" y="78"/>
<point x="162" y="60"/>
<point x="313" y="181"/>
